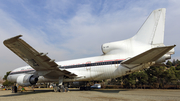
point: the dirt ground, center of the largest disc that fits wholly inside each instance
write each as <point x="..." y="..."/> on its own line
<point x="94" y="95"/>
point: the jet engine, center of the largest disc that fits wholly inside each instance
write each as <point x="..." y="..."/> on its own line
<point x="27" y="80"/>
<point x="108" y="47"/>
<point x="120" y="46"/>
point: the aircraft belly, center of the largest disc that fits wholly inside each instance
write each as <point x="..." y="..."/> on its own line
<point x="44" y="79"/>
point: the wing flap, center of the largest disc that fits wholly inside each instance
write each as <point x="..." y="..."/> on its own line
<point x="38" y="61"/>
<point x="149" y="56"/>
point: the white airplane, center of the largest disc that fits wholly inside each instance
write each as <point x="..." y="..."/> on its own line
<point x="119" y="58"/>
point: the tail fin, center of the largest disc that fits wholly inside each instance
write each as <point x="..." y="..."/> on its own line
<point x="152" y="31"/>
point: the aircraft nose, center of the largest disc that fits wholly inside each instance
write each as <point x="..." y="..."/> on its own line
<point x="9" y="78"/>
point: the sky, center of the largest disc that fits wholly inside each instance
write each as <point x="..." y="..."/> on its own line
<point x="71" y="29"/>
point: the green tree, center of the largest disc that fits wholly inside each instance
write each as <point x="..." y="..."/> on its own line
<point x="171" y="75"/>
<point x="142" y="78"/>
<point x="178" y="67"/>
<point x="7" y="83"/>
<point x="5" y="76"/>
<point x="156" y="76"/>
<point x="173" y="62"/>
<point x="132" y="79"/>
<point x="177" y="62"/>
<point x="169" y="63"/>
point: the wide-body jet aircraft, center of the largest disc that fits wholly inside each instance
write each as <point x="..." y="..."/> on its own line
<point x="119" y="58"/>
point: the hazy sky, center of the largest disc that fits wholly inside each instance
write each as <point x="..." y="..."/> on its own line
<point x="69" y="29"/>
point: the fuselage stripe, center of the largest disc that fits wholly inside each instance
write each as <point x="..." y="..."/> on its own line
<point x="74" y="66"/>
<point x="92" y="64"/>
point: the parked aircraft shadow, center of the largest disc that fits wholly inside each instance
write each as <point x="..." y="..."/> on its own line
<point x="26" y="93"/>
<point x="109" y="90"/>
<point x="103" y="90"/>
<point x="71" y="90"/>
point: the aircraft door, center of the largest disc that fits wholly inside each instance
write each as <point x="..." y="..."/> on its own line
<point x="88" y="66"/>
<point x="116" y="63"/>
<point x="88" y="69"/>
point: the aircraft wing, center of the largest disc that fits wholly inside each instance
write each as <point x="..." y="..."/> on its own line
<point x="149" y="56"/>
<point x="39" y="61"/>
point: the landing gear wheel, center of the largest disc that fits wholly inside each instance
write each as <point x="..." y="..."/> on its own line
<point x="56" y="89"/>
<point x="66" y="89"/>
<point x="62" y="89"/>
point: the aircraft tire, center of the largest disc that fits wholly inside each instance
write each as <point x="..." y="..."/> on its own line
<point x="56" y="89"/>
<point x="62" y="89"/>
<point x="66" y="89"/>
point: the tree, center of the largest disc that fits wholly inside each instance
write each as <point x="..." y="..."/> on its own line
<point x="174" y="62"/>
<point x="132" y="79"/>
<point x="177" y="62"/>
<point x="142" y="78"/>
<point x="171" y="76"/>
<point x="157" y="76"/>
<point x="7" y="83"/>
<point x="178" y="67"/>
<point x="5" y="76"/>
<point x="169" y="63"/>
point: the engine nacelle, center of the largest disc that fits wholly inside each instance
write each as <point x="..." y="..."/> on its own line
<point x="119" y="46"/>
<point x="27" y="80"/>
<point x="163" y="58"/>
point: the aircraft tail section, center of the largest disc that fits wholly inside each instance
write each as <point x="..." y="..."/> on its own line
<point x="152" y="31"/>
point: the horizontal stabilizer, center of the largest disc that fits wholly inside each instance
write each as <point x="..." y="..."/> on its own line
<point x="160" y="65"/>
<point x="149" y="56"/>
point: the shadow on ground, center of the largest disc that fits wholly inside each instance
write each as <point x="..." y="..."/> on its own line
<point x="26" y="93"/>
<point x="102" y="90"/>
<point x="71" y="90"/>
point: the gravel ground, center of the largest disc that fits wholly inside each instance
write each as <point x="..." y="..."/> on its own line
<point x="93" y="95"/>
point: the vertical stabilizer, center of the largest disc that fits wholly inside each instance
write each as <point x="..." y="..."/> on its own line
<point x="152" y="31"/>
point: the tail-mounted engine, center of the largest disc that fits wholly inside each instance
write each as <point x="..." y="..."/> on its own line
<point x="27" y="80"/>
<point x="108" y="47"/>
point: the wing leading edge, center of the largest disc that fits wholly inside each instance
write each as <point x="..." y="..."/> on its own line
<point x="39" y="61"/>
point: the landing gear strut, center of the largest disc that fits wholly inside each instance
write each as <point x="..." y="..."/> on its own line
<point x="56" y="89"/>
<point x="60" y="87"/>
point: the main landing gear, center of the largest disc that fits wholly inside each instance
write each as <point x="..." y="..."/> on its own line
<point x="60" y="87"/>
